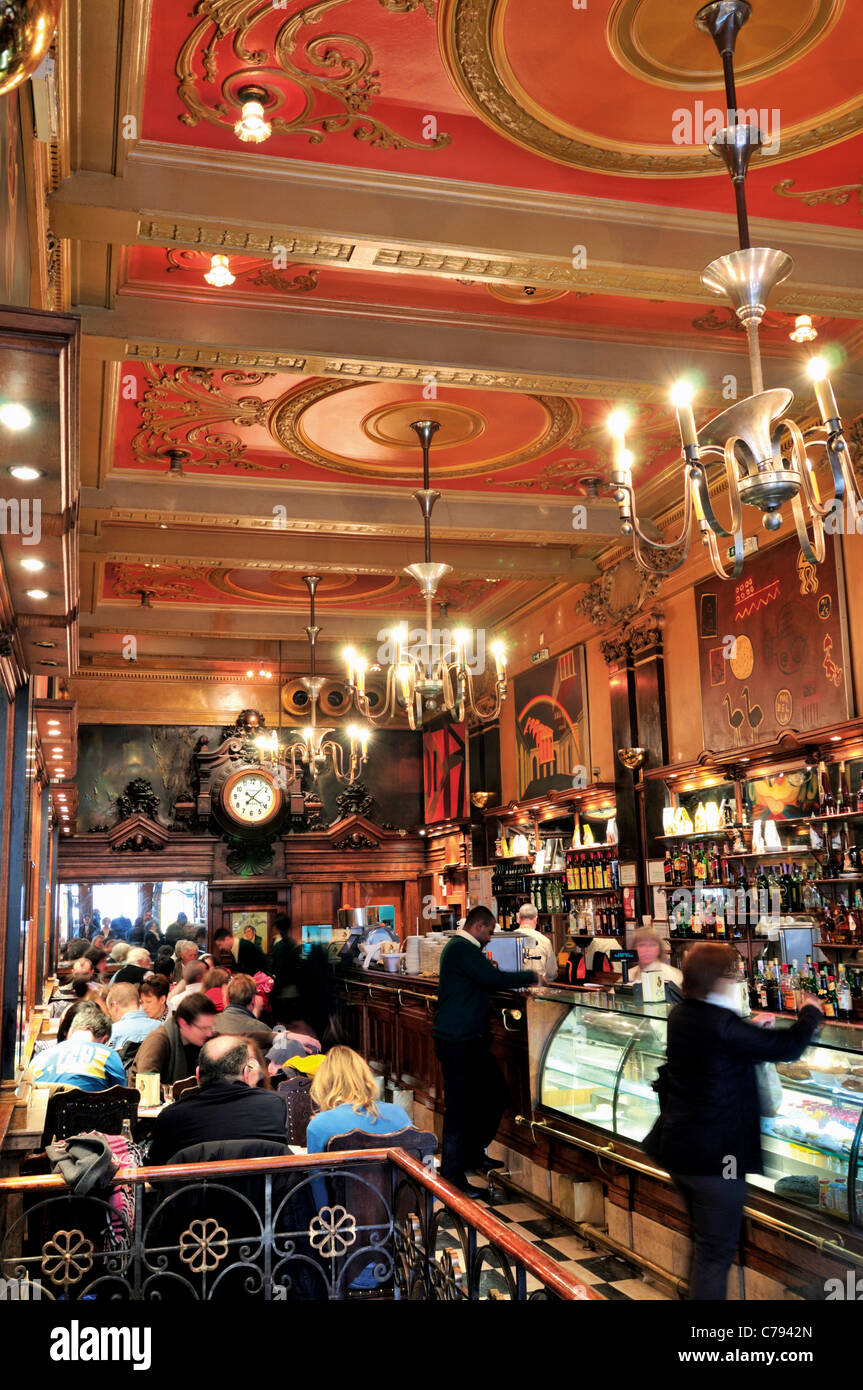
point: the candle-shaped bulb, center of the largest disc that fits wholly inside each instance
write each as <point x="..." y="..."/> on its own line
<point x="460" y="639"/>
<point x="818" y="371"/>
<point x="681" y="399"/>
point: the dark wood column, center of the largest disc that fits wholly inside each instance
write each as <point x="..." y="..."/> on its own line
<point x="638" y="720"/>
<point x="624" y="733"/>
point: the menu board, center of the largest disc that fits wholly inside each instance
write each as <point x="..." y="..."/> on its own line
<point x="772" y="648"/>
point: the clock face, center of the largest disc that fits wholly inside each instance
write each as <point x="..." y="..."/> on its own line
<point x="252" y="798"/>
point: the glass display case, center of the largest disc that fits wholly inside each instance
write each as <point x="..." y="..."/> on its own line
<point x="602" y="1058"/>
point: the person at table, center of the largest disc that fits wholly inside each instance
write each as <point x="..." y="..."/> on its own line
<point x="228" y="1104"/>
<point x="100" y="961"/>
<point x="238" y="1016"/>
<point x="708" y="1134"/>
<point x="185" y="952"/>
<point x="154" y="998"/>
<point x="191" y="983"/>
<point x="538" y="949"/>
<point x="173" y="1048"/>
<point x="652" y="952"/>
<point x="346" y="1094"/>
<point x="86" y="1059"/>
<point x="178" y="930"/>
<point x="214" y="983"/>
<point x="122" y="926"/>
<point x="475" y="1093"/>
<point x="131" y="1022"/>
<point x="135" y="967"/>
<point x="146" y="933"/>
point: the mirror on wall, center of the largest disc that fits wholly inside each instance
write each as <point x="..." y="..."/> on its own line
<point x="85" y="907"/>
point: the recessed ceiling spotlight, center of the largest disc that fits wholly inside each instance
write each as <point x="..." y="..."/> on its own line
<point x="37" y="593"/>
<point x="49" y="663"/>
<point x="24" y="473"/>
<point x="46" y="646"/>
<point x="33" y="565"/>
<point x="15" y="416"/>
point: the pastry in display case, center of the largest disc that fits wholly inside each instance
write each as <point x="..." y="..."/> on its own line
<point x="601" y="1061"/>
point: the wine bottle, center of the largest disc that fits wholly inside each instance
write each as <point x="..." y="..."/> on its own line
<point x="826" y="804"/>
<point x="789" y="1002"/>
<point x="844" y="806"/>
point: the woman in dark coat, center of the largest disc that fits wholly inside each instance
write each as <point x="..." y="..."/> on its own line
<point x="708" y="1135"/>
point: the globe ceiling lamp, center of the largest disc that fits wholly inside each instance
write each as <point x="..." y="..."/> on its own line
<point x="314" y="751"/>
<point x="764" y="453"/>
<point x="435" y="678"/>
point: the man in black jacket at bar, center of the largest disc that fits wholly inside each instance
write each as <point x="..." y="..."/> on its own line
<point x="475" y="1093"/>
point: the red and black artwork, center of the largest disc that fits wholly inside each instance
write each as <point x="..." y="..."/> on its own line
<point x="551" y="725"/>
<point x="772" y="647"/>
<point x="445" y="774"/>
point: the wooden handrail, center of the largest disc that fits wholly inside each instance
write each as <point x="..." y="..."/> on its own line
<point x="534" y="1261"/>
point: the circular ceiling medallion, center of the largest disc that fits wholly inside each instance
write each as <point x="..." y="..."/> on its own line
<point x="526" y="294"/>
<point x="390" y="425"/>
<point x="363" y="429"/>
<point x="655" y="40"/>
<point x="604" y="90"/>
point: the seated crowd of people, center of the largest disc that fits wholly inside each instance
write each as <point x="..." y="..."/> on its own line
<point x="232" y="1033"/>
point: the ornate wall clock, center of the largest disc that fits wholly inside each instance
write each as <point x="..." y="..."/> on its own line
<point x="250" y="798"/>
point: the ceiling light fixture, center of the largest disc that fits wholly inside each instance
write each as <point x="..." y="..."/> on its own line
<point x="219" y="273"/>
<point x="33" y="565"/>
<point x="24" y="473"/>
<point x="433" y="678"/>
<point x="311" y="752"/>
<point x="803" y="331"/>
<point x="37" y="593"/>
<point x="252" y="127"/>
<point x="15" y="416"/>
<point x="763" y="453"/>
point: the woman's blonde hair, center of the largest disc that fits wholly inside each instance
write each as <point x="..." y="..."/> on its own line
<point x="651" y="934"/>
<point x="345" y="1079"/>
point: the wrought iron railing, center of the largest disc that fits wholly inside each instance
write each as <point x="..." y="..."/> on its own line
<point x="308" y="1227"/>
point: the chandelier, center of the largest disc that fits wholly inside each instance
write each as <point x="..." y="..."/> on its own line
<point x="314" y="751"/>
<point x="765" y="454"/>
<point x="433" y="677"/>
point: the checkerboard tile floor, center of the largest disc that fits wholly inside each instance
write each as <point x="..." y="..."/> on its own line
<point x="609" y="1275"/>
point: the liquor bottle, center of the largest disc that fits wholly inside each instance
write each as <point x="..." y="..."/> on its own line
<point x="761" y="986"/>
<point x="789" y="998"/>
<point x="774" y="1001"/>
<point x="797" y="888"/>
<point x="719" y="926"/>
<point x="826" y="804"/>
<point x="844" y="806"/>
<point x="686" y="863"/>
<point x="832" y="1007"/>
<point x="784" y="886"/>
<point x="743" y="987"/>
<point x="699" y="864"/>
<point x="843" y="995"/>
<point x="715" y="868"/>
<point x="676" y="868"/>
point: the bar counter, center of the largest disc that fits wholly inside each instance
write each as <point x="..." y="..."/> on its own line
<point x="587" y="1169"/>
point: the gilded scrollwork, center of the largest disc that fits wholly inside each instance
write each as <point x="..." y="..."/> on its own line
<point x="838" y="196"/>
<point x="330" y="70"/>
<point x="180" y="406"/>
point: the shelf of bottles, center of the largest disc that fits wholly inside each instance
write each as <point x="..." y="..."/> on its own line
<point x="586" y="891"/>
<point x="736" y="876"/>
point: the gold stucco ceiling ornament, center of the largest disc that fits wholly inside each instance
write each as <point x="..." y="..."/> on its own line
<point x="389" y="427"/>
<point x="838" y="196"/>
<point x="334" y="71"/>
<point x="766" y="457"/>
<point x="639" y="34"/>
<point x="182" y="405"/>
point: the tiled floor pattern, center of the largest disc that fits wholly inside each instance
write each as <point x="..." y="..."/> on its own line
<point x="610" y="1275"/>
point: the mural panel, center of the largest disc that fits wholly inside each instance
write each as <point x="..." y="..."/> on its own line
<point x="551" y="724"/>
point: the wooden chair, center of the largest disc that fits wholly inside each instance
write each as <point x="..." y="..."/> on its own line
<point x="367" y="1208"/>
<point x="189" y="1083"/>
<point x="297" y="1095"/>
<point x="76" y="1112"/>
